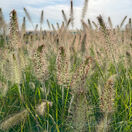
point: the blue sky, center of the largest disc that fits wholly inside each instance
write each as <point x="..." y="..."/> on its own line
<point x="117" y="9"/>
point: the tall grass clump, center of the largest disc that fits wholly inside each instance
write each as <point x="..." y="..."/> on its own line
<point x="65" y="79"/>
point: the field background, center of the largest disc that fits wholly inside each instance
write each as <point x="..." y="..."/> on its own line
<point x="65" y="79"/>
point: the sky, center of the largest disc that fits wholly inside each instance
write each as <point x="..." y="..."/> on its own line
<point x="117" y="9"/>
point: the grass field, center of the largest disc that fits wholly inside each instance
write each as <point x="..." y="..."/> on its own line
<point x="65" y="80"/>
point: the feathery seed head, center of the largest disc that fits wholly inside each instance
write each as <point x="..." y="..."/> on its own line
<point x="13" y="120"/>
<point x="63" y="66"/>
<point x="41" y="108"/>
<point x="40" y="63"/>
<point x="14" y="31"/>
<point x="107" y="96"/>
<point x="80" y="75"/>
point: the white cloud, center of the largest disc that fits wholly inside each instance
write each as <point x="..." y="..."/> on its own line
<point x="21" y="3"/>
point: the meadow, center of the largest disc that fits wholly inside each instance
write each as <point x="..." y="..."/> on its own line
<point x="65" y="79"/>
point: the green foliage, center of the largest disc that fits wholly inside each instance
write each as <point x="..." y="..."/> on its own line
<point x="74" y="106"/>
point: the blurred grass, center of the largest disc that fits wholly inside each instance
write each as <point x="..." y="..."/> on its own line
<point x="32" y="91"/>
<point x="55" y="118"/>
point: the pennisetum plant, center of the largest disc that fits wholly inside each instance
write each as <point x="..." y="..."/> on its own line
<point x="14" y="31"/>
<point x="71" y="14"/>
<point x="71" y="67"/>
<point x="84" y="10"/>
<point x="63" y="66"/>
<point x="41" y="23"/>
<point x="2" y="22"/>
<point x="123" y="21"/>
<point x="75" y="81"/>
<point x="80" y="75"/>
<point x="40" y="63"/>
<point x="49" y="26"/>
<point x="110" y="23"/>
<point x="64" y="17"/>
<point x="19" y="117"/>
<point x="3" y="25"/>
<point x="13" y="120"/>
<point x="28" y="17"/>
<point x="108" y="46"/>
<point x="23" y="29"/>
<point x="95" y="25"/>
<point x="80" y="108"/>
<point x="107" y="96"/>
<point x="14" y="63"/>
<point x="89" y="23"/>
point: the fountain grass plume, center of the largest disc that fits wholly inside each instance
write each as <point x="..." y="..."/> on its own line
<point x="42" y="17"/>
<point x="28" y="16"/>
<point x="85" y="26"/>
<point x="53" y="28"/>
<point x="58" y="26"/>
<point x="48" y="24"/>
<point x="13" y="120"/>
<point x="68" y="23"/>
<point x="2" y="21"/>
<point x="102" y="23"/>
<point x="64" y="17"/>
<point x="84" y="10"/>
<point x="23" y="29"/>
<point x="40" y="63"/>
<point x="107" y="97"/>
<point x="71" y="14"/>
<point x="89" y="23"/>
<point x="110" y="23"/>
<point x="80" y="75"/>
<point x="83" y="44"/>
<point x="95" y="25"/>
<point x="63" y="66"/>
<point x="41" y="108"/>
<point x="14" y="31"/>
<point x="123" y="21"/>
